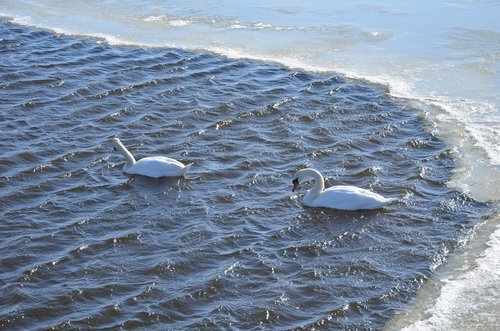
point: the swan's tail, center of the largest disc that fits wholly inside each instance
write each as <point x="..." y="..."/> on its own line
<point x="390" y="200"/>
<point x="186" y="169"/>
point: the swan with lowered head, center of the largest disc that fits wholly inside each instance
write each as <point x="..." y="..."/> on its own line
<point x="153" y="166"/>
<point x="337" y="197"/>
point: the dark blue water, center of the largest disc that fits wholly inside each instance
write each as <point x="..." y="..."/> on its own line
<point x="230" y="247"/>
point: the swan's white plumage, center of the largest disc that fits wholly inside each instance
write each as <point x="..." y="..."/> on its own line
<point x="338" y="197"/>
<point x="158" y="166"/>
<point x="153" y="166"/>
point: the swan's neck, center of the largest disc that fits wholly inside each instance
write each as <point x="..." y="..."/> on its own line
<point x="319" y="184"/>
<point x="128" y="156"/>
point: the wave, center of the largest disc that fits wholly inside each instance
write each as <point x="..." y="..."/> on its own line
<point x="408" y="76"/>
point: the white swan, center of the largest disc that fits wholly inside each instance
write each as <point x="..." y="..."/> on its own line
<point x="153" y="166"/>
<point x="337" y="197"/>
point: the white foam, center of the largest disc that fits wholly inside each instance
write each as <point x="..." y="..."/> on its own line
<point x="237" y="25"/>
<point x="178" y="23"/>
<point x="156" y="18"/>
<point x="21" y="20"/>
<point x="260" y="25"/>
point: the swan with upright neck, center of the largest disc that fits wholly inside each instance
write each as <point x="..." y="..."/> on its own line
<point x="153" y="166"/>
<point x="337" y="197"/>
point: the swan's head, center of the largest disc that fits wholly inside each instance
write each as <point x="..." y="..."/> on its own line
<point x="304" y="175"/>
<point x="116" y="144"/>
<point x="298" y="178"/>
<point x="295" y="183"/>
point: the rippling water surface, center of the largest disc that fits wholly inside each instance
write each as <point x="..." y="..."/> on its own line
<point x="86" y="246"/>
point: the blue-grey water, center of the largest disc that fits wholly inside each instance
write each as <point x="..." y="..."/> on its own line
<point x="85" y="246"/>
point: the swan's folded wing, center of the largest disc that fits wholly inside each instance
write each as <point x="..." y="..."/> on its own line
<point x="157" y="166"/>
<point x="349" y="198"/>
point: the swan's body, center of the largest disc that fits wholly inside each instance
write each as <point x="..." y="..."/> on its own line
<point x="337" y="197"/>
<point x="153" y="166"/>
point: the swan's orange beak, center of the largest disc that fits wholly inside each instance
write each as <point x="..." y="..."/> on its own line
<point x="295" y="184"/>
